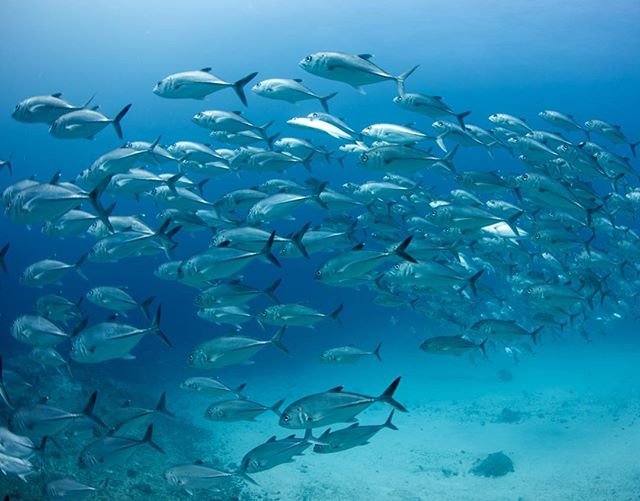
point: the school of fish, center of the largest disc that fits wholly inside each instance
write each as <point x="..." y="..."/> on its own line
<point x="503" y="260"/>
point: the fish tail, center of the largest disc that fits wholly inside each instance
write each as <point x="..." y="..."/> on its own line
<point x="270" y="291"/>
<point x="317" y="191"/>
<point x="323" y="101"/>
<point x="88" y="102"/>
<point x="387" y="396"/>
<point x="94" y="197"/>
<point x="276" y="407"/>
<point x="120" y="116"/>
<point x="276" y="340"/>
<point x="590" y="213"/>
<point x="3" y="253"/>
<point x="263" y="129"/>
<point x="296" y="238"/>
<point x="266" y="251"/>
<point x="161" y="406"/>
<point x="376" y="352"/>
<point x="78" y="263"/>
<point x="271" y="139"/>
<point x="402" y="77"/>
<point x="238" y="389"/>
<point x="335" y="313"/>
<point x="448" y="158"/>
<point x="155" y="327"/>
<point x="633" y="148"/>
<point x="239" y="85"/>
<point x="3" y="389"/>
<point x="534" y="334"/>
<point x="472" y="282"/>
<point x="148" y="439"/>
<point x="388" y="423"/>
<point x="88" y="411"/>
<point x="201" y="184"/>
<point x="80" y="326"/>
<point x="511" y="222"/>
<point x="461" y="117"/>
<point x="401" y="250"/>
<point x="483" y="346"/>
<point x="309" y="438"/>
<point x="245" y="477"/>
<point x="144" y="306"/>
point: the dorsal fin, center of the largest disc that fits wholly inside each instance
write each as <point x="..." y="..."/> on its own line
<point x="198" y="461"/>
<point x="43" y="400"/>
<point x="360" y="246"/>
<point x="239" y="112"/>
<point x="126" y="403"/>
<point x="354" y="425"/>
<point x="57" y="94"/>
<point x="439" y="98"/>
<point x="206" y="70"/>
<point x="272" y="439"/>
<point x="297" y="80"/>
<point x="337" y="389"/>
<point x="366" y="57"/>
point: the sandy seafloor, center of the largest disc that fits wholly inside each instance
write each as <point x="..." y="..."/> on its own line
<point x="578" y="437"/>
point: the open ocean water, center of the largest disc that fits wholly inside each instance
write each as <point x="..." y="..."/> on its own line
<point x="492" y="257"/>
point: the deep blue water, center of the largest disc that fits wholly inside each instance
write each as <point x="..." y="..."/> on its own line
<point x="514" y="57"/>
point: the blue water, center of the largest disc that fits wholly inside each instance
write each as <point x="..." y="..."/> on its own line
<point x="514" y="57"/>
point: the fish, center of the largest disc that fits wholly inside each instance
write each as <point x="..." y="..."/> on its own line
<point x="239" y="409"/>
<point x="397" y="158"/>
<point x="431" y="106"/>
<point x="17" y="466"/>
<point x="35" y="330"/>
<point x="128" y="417"/>
<point x="349" y="354"/>
<point x="116" y="299"/>
<point x="295" y="315"/>
<point x="228" y="121"/>
<point x="333" y="406"/>
<point x="197" y="476"/>
<point x="50" y="271"/>
<point x="42" y="419"/>
<point x="45" y="109"/>
<point x="353" y="436"/>
<point x="393" y="133"/>
<point x="85" y="124"/>
<point x="18" y="446"/>
<point x="49" y="357"/>
<point x="112" y="450"/>
<point x="357" y="263"/>
<point x="275" y="452"/>
<point x="504" y="330"/>
<point x="199" y="84"/>
<point x="354" y="70"/>
<point x="221" y="262"/>
<point x="321" y="126"/>
<point x="221" y="315"/>
<point x="210" y="387"/>
<point x="452" y="345"/>
<point x="111" y="340"/>
<point x="290" y="90"/>
<point x="234" y="293"/>
<point x="230" y="350"/>
<point x="68" y="489"/>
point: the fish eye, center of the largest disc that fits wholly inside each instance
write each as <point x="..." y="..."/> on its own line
<point x="159" y="83"/>
<point x="364" y="157"/>
<point x="525" y="177"/>
<point x="434" y="213"/>
<point x="530" y="290"/>
<point x="318" y="274"/>
<point x="308" y="59"/>
<point x="285" y="417"/>
<point x="263" y="314"/>
<point x="191" y="358"/>
<point x="458" y="178"/>
<point x="537" y="236"/>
